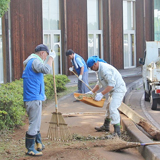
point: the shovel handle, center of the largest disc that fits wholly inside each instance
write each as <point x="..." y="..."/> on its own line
<point x="83" y="81"/>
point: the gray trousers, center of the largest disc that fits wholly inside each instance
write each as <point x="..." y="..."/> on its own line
<point x="114" y="102"/>
<point x="82" y="88"/>
<point x="34" y="111"/>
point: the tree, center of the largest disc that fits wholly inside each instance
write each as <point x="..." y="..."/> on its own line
<point x="4" y="4"/>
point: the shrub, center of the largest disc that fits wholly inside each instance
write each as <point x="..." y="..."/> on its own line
<point x="61" y="80"/>
<point x="11" y="104"/>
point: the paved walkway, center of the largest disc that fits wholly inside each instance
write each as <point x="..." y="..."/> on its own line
<point x="92" y="76"/>
<point x="66" y="104"/>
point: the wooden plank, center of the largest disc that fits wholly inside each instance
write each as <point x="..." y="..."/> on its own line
<point x="139" y="120"/>
<point x="26" y="31"/>
<point x="64" y="36"/>
<point x="140" y="29"/>
<point x="77" y="35"/>
<point x="149" y="20"/>
<point x="130" y="113"/>
<point x="116" y="33"/>
<point x="106" y="47"/>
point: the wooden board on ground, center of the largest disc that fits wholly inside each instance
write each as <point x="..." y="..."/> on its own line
<point x="135" y="117"/>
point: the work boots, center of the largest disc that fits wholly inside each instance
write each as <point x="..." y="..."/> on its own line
<point x="39" y="144"/>
<point x="116" y="133"/>
<point x="30" y="144"/>
<point x="117" y="129"/>
<point x="104" y="127"/>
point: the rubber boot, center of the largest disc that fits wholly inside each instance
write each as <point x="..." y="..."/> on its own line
<point x="104" y="127"/>
<point x="30" y="144"/>
<point x="39" y="143"/>
<point x="117" y="129"/>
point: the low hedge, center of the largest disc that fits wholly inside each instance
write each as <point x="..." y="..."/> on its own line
<point x="61" y="80"/>
<point x="12" y="111"/>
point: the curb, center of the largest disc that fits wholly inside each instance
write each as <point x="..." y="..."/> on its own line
<point x="148" y="152"/>
<point x="133" y="86"/>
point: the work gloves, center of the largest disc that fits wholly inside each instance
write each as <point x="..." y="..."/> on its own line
<point x="52" y="54"/>
<point x="80" y="77"/>
<point x="98" y="96"/>
<point x="71" y="69"/>
<point x="90" y="92"/>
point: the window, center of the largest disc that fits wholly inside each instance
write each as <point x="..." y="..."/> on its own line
<point x="94" y="31"/>
<point x="129" y="33"/>
<point x="51" y="14"/>
<point x="157" y="20"/>
<point x="51" y="30"/>
<point x="1" y="53"/>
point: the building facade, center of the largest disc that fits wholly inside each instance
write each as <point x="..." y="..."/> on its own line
<point x="115" y="30"/>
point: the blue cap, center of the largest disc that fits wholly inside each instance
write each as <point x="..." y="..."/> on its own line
<point x="94" y="59"/>
<point x="91" y="61"/>
<point x="42" y="47"/>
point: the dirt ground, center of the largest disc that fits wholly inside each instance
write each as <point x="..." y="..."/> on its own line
<point x="82" y="147"/>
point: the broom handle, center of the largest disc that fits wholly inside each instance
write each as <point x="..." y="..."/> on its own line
<point x="152" y="143"/>
<point x="83" y="82"/>
<point x="55" y="90"/>
<point x="55" y="93"/>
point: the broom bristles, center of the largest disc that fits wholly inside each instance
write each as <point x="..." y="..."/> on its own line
<point x="58" y="129"/>
<point x="119" y="144"/>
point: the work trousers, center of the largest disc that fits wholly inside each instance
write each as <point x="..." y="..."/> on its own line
<point x="114" y="101"/>
<point x="34" y="111"/>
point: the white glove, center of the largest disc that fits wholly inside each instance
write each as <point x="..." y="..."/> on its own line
<point x="98" y="96"/>
<point x="90" y="92"/>
<point x="52" y="54"/>
<point x="80" y="77"/>
<point x="45" y="98"/>
<point x="71" y="69"/>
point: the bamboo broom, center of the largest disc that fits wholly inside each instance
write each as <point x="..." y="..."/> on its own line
<point x="130" y="145"/>
<point x="117" y="144"/>
<point x="58" y="129"/>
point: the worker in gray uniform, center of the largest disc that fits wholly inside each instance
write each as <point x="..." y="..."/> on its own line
<point x="34" y="94"/>
<point x="111" y="80"/>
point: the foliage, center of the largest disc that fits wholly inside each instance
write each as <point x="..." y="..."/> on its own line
<point x="4" y="4"/>
<point x="12" y="111"/>
<point x="61" y="80"/>
<point x="11" y="104"/>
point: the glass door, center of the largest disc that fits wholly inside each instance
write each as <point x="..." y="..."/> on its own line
<point x="51" y="30"/>
<point x="129" y="43"/>
<point x="129" y="50"/>
<point x="94" y="30"/>
<point x="53" y="42"/>
<point x="94" y="39"/>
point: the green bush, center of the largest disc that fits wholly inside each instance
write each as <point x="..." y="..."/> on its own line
<point x="12" y="111"/>
<point x="11" y="103"/>
<point x="61" y="80"/>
